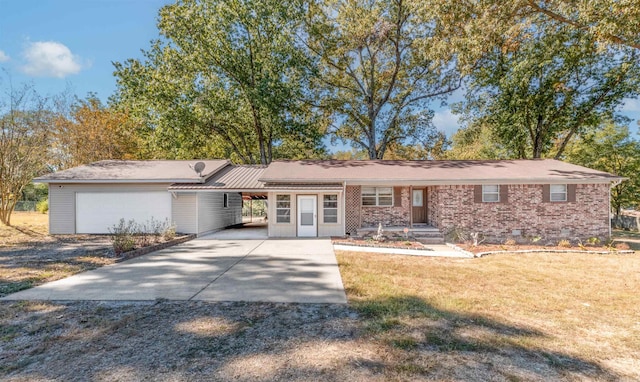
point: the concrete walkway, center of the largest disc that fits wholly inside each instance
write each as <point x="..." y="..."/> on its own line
<point x="211" y="269"/>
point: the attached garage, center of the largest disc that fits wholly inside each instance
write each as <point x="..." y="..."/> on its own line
<point x="97" y="212"/>
<point x="91" y="199"/>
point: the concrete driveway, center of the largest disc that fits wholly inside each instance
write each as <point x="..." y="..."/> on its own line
<point x="211" y="269"/>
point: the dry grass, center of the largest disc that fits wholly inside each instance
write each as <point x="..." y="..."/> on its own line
<point x="30" y="257"/>
<point x="534" y="316"/>
<point x="25" y="227"/>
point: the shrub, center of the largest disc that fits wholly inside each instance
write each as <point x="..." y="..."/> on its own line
<point x="169" y="232"/>
<point x="43" y="206"/>
<point x="123" y="236"/>
<point x="564" y="244"/>
<point x="593" y="241"/>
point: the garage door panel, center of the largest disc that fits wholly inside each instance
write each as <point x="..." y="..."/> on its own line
<point x="96" y="212"/>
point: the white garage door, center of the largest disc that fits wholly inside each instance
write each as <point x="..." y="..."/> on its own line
<point x="96" y="212"/>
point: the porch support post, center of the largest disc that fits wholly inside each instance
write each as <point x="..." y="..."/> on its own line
<point x="411" y="206"/>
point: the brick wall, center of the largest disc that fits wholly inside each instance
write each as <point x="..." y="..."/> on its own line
<point x="454" y="207"/>
<point x="396" y="216"/>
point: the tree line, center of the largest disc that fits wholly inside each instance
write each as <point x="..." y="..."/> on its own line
<point x="258" y="80"/>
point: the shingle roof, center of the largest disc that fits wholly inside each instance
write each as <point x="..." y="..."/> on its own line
<point x="239" y="177"/>
<point x="433" y="172"/>
<point x="128" y="171"/>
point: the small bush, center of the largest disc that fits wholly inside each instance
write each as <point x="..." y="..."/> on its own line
<point x="509" y="242"/>
<point x="43" y="206"/>
<point x="169" y="232"/>
<point x="564" y="244"/>
<point x="593" y="241"/>
<point x="123" y="236"/>
<point x="536" y="239"/>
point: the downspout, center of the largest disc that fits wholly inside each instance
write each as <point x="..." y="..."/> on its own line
<point x="344" y="207"/>
<point x="197" y="215"/>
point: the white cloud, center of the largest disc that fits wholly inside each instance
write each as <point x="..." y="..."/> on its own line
<point x="444" y="120"/>
<point x="50" y="59"/>
<point x="4" y="57"/>
<point x="631" y="105"/>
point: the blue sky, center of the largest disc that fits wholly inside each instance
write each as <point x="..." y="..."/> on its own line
<point x="72" y="43"/>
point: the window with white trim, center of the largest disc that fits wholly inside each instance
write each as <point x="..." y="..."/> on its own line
<point x="377" y="196"/>
<point x="558" y="192"/>
<point x="491" y="193"/>
<point x="330" y="208"/>
<point x="225" y="200"/>
<point x="283" y="208"/>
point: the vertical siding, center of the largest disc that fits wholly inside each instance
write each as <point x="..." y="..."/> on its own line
<point x="62" y="201"/>
<point x="183" y="208"/>
<point x="212" y="215"/>
<point x="290" y="229"/>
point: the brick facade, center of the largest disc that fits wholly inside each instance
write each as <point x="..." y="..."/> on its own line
<point x="454" y="207"/>
<point x="451" y="207"/>
<point x="396" y="216"/>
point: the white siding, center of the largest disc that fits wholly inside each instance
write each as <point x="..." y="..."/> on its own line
<point x="62" y="201"/>
<point x="184" y="212"/>
<point x="62" y="209"/>
<point x="290" y="230"/>
<point x="213" y="216"/>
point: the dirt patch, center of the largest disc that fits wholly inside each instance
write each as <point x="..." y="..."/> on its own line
<point x="37" y="262"/>
<point x="184" y="341"/>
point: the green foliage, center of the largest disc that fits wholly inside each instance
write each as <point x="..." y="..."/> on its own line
<point x="43" y="206"/>
<point x="375" y="77"/>
<point x="227" y="79"/>
<point x="35" y="192"/>
<point x="470" y="29"/>
<point x="611" y="149"/>
<point x="535" y="93"/>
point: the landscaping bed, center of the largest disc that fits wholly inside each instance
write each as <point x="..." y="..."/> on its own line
<point x="389" y="243"/>
<point x="485" y="249"/>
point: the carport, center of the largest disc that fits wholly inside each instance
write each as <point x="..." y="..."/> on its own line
<point x="234" y="182"/>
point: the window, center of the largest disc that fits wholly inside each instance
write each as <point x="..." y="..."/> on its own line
<point x="377" y="196"/>
<point x="283" y="208"/>
<point x="491" y="193"/>
<point x="330" y="208"/>
<point x="225" y="200"/>
<point x="558" y="193"/>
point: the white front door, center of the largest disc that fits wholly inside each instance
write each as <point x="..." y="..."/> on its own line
<point x="307" y="216"/>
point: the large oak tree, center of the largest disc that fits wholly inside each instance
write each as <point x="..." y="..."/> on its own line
<point x="226" y="78"/>
<point x="536" y="92"/>
<point x="376" y="77"/>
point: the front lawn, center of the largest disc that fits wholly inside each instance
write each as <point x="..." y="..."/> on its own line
<point x="533" y="317"/>
<point x="511" y="317"/>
